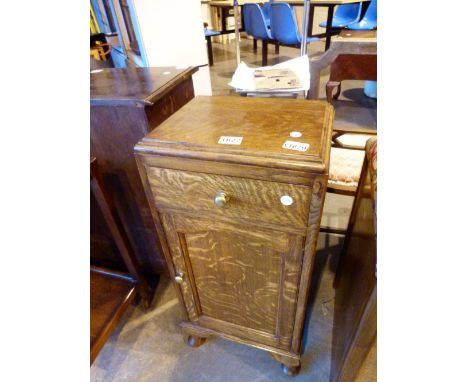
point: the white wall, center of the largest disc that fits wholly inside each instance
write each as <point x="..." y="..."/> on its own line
<point x="172" y="33"/>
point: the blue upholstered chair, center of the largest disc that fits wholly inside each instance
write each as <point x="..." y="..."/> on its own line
<point x="255" y="22"/>
<point x="345" y="14"/>
<point x="256" y="26"/>
<point x="208" y="35"/>
<point x="369" y="21"/>
<point x="284" y="26"/>
<point x="266" y="12"/>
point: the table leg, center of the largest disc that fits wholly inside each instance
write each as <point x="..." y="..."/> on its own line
<point x="210" y="50"/>
<point x="264" y="53"/>
<point x="311" y="20"/>
<point x="241" y="12"/>
<point x="223" y="18"/>
<point x="328" y="31"/>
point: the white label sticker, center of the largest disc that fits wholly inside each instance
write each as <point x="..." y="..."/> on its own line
<point x="298" y="146"/>
<point x="230" y="140"/>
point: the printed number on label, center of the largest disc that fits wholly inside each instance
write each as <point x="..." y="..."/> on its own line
<point x="230" y="140"/>
<point x="298" y="146"/>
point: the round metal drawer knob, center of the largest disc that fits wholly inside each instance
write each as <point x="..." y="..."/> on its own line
<point x="286" y="200"/>
<point x="179" y="277"/>
<point x="221" y="199"/>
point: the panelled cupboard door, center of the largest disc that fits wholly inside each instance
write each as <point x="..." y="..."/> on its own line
<point x="239" y="279"/>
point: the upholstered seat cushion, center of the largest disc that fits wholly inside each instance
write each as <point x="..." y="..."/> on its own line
<point x="345" y="167"/>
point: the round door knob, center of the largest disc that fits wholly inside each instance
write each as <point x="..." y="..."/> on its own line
<point x="221" y="199"/>
<point x="179" y="277"/>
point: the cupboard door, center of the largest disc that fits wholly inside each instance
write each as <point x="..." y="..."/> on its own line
<point x="239" y="280"/>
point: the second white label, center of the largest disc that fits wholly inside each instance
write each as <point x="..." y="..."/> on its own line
<point x="298" y="146"/>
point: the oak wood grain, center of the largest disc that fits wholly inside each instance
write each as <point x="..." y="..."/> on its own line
<point x="263" y="125"/>
<point x="243" y="269"/>
<point x="243" y="277"/>
<point x="252" y="199"/>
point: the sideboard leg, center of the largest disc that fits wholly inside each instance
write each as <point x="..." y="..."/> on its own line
<point x="290" y="365"/>
<point x="194" y="341"/>
<point x="290" y="371"/>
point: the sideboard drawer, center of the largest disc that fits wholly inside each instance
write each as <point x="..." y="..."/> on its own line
<point x="243" y="198"/>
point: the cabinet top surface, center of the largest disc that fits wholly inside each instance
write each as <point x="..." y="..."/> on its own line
<point x="281" y="133"/>
<point x="134" y="85"/>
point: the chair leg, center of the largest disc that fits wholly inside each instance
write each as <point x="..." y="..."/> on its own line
<point x="210" y="50"/>
<point x="277" y="48"/>
<point x="264" y="53"/>
<point x="338" y="92"/>
<point x="254" y="44"/>
<point x="329" y="89"/>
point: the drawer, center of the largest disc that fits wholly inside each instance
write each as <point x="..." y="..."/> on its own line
<point x="245" y="199"/>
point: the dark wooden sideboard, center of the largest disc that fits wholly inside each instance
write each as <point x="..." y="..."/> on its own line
<point x="127" y="104"/>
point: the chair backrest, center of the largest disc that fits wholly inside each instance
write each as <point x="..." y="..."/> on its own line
<point x="283" y="24"/>
<point x="255" y="23"/>
<point x="266" y="9"/>
<point x="371" y="13"/>
<point x="348" y="11"/>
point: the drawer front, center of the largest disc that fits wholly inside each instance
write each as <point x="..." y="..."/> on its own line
<point x="246" y="199"/>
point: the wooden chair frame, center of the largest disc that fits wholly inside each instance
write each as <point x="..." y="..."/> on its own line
<point x="345" y="190"/>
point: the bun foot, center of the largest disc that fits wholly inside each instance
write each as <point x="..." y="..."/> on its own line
<point x="194" y="341"/>
<point x="290" y="371"/>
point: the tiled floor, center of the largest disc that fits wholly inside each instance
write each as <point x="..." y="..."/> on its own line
<point x="148" y="345"/>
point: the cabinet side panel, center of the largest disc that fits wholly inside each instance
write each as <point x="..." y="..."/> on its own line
<point x="169" y="104"/>
<point x="114" y="132"/>
<point x="315" y="215"/>
<point x="290" y="290"/>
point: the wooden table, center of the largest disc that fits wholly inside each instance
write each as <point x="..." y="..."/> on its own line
<point x="126" y="104"/>
<point x="348" y="42"/>
<point x="225" y="6"/>
<point x="330" y="4"/>
<point x="351" y="67"/>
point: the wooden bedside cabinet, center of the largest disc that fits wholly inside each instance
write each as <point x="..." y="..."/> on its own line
<point x="238" y="215"/>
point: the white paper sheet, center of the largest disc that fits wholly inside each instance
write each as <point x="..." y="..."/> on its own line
<point x="243" y="78"/>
